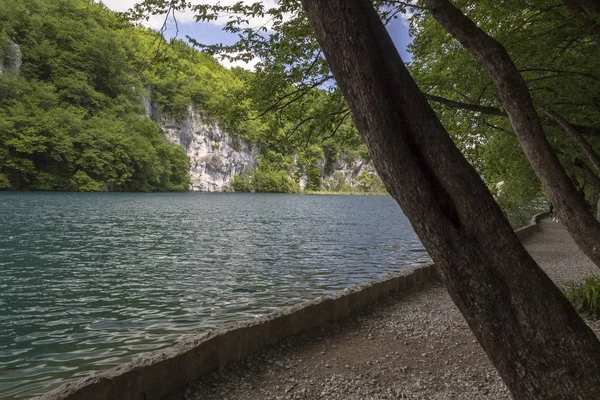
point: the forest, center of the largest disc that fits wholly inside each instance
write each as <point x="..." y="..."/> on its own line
<point x="73" y="119"/>
<point x="72" y="116"/>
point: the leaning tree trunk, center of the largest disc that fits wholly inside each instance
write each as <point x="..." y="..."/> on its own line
<point x="514" y="94"/>
<point x="590" y="176"/>
<point x="534" y="337"/>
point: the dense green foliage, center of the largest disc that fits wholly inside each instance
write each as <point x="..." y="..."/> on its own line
<point x="557" y="56"/>
<point x="269" y="177"/>
<point x="72" y="117"/>
<point x="585" y="296"/>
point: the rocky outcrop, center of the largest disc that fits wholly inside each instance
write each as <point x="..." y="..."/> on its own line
<point x="11" y="58"/>
<point x="215" y="156"/>
<point x="347" y="172"/>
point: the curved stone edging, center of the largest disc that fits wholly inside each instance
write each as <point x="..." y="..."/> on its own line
<point x="533" y="227"/>
<point x="155" y="375"/>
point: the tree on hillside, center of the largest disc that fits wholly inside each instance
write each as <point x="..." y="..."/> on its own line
<point x="72" y="117"/>
<point x="540" y="346"/>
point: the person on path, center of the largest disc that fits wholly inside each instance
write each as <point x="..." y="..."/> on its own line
<point x="552" y="213"/>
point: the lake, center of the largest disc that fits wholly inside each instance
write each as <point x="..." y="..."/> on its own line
<point x="89" y="280"/>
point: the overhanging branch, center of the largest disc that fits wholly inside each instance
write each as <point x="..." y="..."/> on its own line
<point x="496" y="111"/>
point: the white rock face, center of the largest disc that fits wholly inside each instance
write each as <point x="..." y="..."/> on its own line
<point x="12" y="60"/>
<point x="215" y="156"/>
<point x="347" y="173"/>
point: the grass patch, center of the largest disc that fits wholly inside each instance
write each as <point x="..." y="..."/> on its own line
<point x="585" y="296"/>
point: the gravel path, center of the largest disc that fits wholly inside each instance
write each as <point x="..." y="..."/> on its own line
<point x="411" y="346"/>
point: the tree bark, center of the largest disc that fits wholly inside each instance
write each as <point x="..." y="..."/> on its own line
<point x="534" y="337"/>
<point x="488" y="110"/>
<point x="584" y="144"/>
<point x="588" y="174"/>
<point x="591" y="5"/>
<point x="572" y="209"/>
<point x="587" y="130"/>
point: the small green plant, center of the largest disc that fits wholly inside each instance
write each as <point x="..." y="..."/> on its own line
<point x="273" y="182"/>
<point x="243" y="181"/>
<point x="364" y="181"/>
<point x="313" y="179"/>
<point x="585" y="296"/>
<point x="215" y="146"/>
<point x="82" y="182"/>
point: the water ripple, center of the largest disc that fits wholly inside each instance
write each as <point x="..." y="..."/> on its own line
<point x="89" y="280"/>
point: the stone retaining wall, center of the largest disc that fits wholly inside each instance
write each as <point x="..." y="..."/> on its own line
<point x="155" y="375"/>
<point x="528" y="230"/>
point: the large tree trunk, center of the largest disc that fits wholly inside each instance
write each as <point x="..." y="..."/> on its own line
<point x="539" y="344"/>
<point x="590" y="176"/>
<point x="514" y="94"/>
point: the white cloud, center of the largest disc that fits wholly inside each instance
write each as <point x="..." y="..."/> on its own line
<point x="405" y="17"/>
<point x="187" y="17"/>
<point x="118" y="5"/>
<point x="250" y="65"/>
<point x="157" y="21"/>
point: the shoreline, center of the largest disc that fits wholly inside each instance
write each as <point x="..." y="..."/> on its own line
<point x="390" y="330"/>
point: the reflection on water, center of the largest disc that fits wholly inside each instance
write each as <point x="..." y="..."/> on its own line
<point x="89" y="280"/>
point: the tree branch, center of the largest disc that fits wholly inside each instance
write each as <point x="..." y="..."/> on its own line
<point x="489" y="110"/>
<point x="466" y="106"/>
<point x="404" y="3"/>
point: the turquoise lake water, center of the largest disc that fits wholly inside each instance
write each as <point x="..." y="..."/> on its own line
<point x="89" y="280"/>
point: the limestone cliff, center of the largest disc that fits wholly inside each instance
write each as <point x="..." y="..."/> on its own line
<point x="215" y="156"/>
<point x="346" y="172"/>
<point x="10" y="58"/>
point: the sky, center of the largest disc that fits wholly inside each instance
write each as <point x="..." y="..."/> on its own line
<point x="211" y="32"/>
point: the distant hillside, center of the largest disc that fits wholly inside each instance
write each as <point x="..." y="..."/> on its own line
<point x="74" y="78"/>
